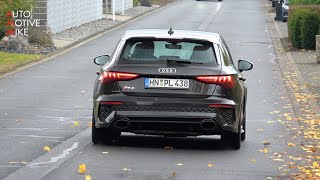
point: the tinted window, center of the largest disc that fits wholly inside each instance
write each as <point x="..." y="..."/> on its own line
<point x="227" y="53"/>
<point x="155" y="50"/>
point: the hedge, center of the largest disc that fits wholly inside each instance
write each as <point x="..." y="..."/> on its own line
<point x="303" y="25"/>
<point x="304" y="2"/>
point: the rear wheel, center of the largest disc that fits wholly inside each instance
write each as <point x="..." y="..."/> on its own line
<point x="236" y="139"/>
<point x="243" y="127"/>
<point x="106" y="135"/>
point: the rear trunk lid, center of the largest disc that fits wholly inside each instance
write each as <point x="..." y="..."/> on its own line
<point x="167" y="80"/>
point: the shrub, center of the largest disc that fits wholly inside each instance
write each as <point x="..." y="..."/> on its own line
<point x="305" y="2"/>
<point x="38" y="36"/>
<point x="136" y="2"/>
<point x="303" y="24"/>
<point x="309" y="29"/>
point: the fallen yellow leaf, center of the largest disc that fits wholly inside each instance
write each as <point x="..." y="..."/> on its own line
<point x="173" y="174"/>
<point x="266" y="143"/>
<point x="46" y="148"/>
<point x="76" y="123"/>
<point x="88" y="177"/>
<point x="291" y="144"/>
<point x="82" y="169"/>
<point x="264" y="150"/>
<point x="210" y="165"/>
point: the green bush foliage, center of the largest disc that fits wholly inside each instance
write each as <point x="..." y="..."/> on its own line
<point x="38" y="36"/>
<point x="309" y="29"/>
<point x="305" y="2"/>
<point x="11" y="5"/>
<point x="303" y="25"/>
<point x="136" y="2"/>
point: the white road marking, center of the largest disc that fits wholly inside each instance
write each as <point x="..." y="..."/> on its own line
<point x="36" y="136"/>
<point x="209" y="19"/>
<point x="57" y="158"/>
<point x="39" y="168"/>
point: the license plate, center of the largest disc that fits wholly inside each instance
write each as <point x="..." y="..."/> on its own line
<point x="166" y="83"/>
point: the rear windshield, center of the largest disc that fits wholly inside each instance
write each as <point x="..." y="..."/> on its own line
<point x="157" y="50"/>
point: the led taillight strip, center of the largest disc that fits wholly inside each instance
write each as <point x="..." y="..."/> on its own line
<point x="225" y="81"/>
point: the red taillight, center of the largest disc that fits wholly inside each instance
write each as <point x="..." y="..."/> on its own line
<point x="107" y="77"/>
<point x="111" y="102"/>
<point x="227" y="106"/>
<point x="225" y="81"/>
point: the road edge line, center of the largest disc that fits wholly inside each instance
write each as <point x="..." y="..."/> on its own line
<point x="35" y="171"/>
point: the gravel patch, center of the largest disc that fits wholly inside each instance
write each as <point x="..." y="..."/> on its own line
<point x="136" y="11"/>
<point x="85" y="30"/>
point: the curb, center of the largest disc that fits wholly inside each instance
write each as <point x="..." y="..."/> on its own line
<point x="286" y="61"/>
<point x="80" y="42"/>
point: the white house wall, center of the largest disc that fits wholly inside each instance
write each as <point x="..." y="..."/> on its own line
<point x="118" y="5"/>
<point x="66" y="14"/>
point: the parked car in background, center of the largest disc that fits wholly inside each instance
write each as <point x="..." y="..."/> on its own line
<point x="285" y="9"/>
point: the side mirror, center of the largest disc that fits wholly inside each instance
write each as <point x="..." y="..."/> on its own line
<point x="101" y="60"/>
<point x="244" y="65"/>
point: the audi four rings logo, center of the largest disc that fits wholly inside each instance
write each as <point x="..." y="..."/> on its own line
<point x="167" y="70"/>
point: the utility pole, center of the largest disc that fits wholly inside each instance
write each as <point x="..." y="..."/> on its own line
<point x="106" y="6"/>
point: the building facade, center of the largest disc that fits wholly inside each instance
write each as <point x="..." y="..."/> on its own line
<point x="60" y="15"/>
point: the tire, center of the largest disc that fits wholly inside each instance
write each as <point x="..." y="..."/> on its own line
<point x="95" y="132"/>
<point x="243" y="134"/>
<point x="236" y="139"/>
<point x="106" y="135"/>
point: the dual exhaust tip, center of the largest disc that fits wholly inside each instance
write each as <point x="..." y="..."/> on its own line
<point x="206" y="124"/>
<point x="122" y="123"/>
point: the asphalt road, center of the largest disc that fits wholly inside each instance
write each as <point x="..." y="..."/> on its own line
<point x="38" y="107"/>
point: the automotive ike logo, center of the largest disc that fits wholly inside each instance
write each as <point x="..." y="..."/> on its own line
<point x="18" y="23"/>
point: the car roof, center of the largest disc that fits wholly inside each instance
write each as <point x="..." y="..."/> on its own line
<point x="178" y="34"/>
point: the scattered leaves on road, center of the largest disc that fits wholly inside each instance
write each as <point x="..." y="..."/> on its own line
<point x="76" y="123"/>
<point x="264" y="150"/>
<point x="82" y="169"/>
<point x="291" y="144"/>
<point x="210" y="165"/>
<point x="87" y="177"/>
<point x="266" y="143"/>
<point x="46" y="148"/>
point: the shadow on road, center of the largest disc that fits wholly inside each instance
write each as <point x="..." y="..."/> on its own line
<point x="194" y="143"/>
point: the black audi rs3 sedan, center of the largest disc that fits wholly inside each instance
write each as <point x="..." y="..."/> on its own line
<point x="172" y="83"/>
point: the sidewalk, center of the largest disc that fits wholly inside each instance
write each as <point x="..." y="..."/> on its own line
<point x="300" y="74"/>
<point x="304" y="60"/>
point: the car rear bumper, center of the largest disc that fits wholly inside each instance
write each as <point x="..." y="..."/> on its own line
<point x="160" y="115"/>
